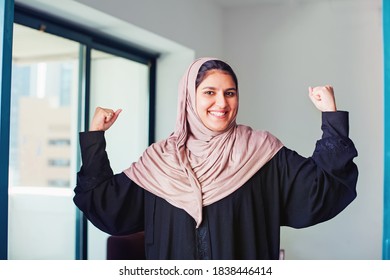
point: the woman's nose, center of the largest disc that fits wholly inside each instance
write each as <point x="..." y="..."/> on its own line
<point x="220" y="99"/>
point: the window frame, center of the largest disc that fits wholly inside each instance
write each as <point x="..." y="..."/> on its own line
<point x="7" y="17"/>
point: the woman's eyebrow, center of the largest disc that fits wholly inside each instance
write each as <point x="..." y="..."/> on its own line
<point x="233" y="88"/>
<point x="208" y="88"/>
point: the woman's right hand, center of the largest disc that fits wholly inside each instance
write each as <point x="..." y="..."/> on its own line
<point x="103" y="119"/>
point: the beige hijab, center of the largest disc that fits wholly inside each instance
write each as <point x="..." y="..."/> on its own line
<point x="194" y="166"/>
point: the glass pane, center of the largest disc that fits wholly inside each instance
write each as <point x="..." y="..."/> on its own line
<point x="42" y="146"/>
<point x="125" y="86"/>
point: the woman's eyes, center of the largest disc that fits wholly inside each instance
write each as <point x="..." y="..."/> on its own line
<point x="228" y="93"/>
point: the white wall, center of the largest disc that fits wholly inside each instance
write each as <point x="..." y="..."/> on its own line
<point x="281" y="49"/>
<point x="278" y="50"/>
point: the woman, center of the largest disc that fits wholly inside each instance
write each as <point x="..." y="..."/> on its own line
<point x="215" y="189"/>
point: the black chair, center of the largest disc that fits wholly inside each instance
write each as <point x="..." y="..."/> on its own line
<point x="127" y="247"/>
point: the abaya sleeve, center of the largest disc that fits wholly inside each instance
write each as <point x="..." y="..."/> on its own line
<point x="113" y="203"/>
<point x="317" y="188"/>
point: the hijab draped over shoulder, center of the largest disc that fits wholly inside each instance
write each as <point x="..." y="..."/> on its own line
<point x="194" y="166"/>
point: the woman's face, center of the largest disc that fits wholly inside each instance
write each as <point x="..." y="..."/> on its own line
<point x="217" y="100"/>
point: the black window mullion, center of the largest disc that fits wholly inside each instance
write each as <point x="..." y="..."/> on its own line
<point x="7" y="16"/>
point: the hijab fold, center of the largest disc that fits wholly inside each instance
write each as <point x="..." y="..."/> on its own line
<point x="195" y="167"/>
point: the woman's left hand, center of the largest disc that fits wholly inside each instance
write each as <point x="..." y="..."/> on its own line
<point x="323" y="98"/>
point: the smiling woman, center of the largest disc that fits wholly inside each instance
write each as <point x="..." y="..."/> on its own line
<point x="215" y="189"/>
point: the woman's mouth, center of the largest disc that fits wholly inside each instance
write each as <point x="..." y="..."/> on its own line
<point x="218" y="114"/>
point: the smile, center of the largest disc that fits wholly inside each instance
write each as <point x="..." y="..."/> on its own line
<point x="218" y="114"/>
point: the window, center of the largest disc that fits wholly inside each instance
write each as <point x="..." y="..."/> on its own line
<point x="58" y="77"/>
<point x="44" y="86"/>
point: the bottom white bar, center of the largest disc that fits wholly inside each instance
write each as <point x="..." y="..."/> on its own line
<point x="207" y="270"/>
